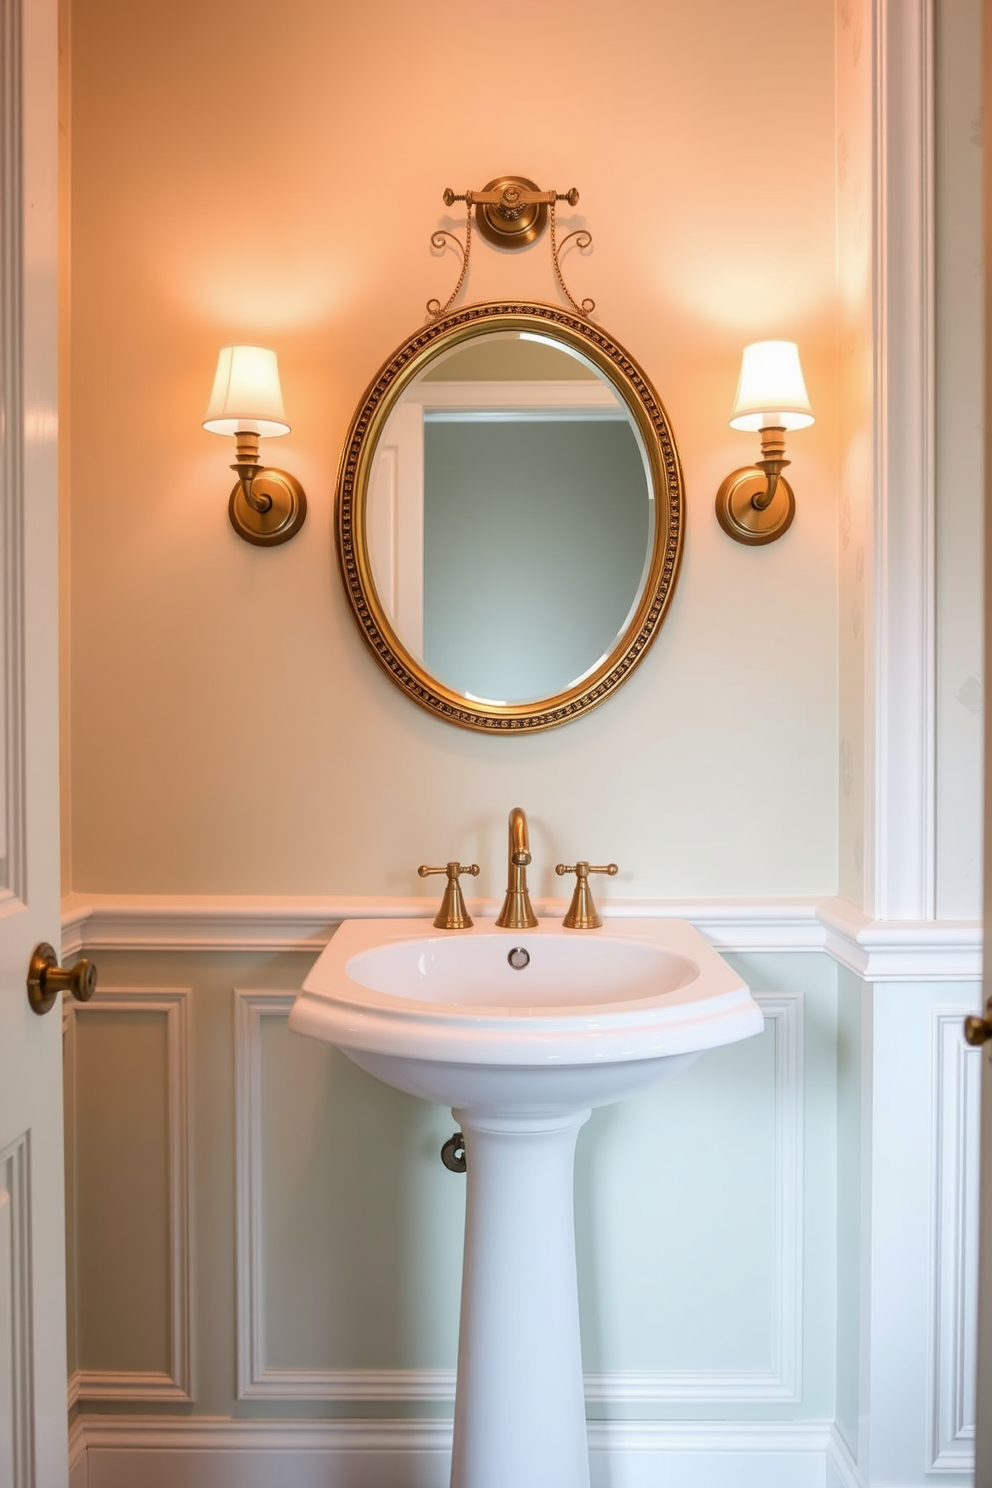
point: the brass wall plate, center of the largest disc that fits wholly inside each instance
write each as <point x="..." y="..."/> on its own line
<point x="285" y="516"/>
<point x="744" y="522"/>
<point x="354" y="478"/>
<point x="509" y="225"/>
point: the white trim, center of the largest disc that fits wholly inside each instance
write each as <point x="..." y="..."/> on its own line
<point x="955" y="1124"/>
<point x="782" y="1383"/>
<point x="900" y="845"/>
<point x="17" y="1393"/>
<point x="901" y="951"/>
<point x="176" y="1383"/>
<point x="78" y="1463"/>
<point x="16" y="393"/>
<point x="124" y="1384"/>
<point x="842" y="1470"/>
<point x="921" y="950"/>
<point x="203" y="1451"/>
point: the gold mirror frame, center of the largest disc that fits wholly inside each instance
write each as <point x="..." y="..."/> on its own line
<point x="354" y="476"/>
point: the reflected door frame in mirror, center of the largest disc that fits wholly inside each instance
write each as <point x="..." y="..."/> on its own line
<point x="352" y="530"/>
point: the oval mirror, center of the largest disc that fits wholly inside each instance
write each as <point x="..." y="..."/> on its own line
<point x="509" y="516"/>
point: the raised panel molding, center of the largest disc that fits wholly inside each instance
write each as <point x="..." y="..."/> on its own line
<point x="16" y="1361"/>
<point x="900" y="846"/>
<point x="176" y="1383"/>
<point x="255" y="1380"/>
<point x="780" y="1383"/>
<point x="878" y="951"/>
<point x="954" y="1304"/>
<point x="13" y="232"/>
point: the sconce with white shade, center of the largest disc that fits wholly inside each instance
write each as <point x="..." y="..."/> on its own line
<point x="755" y="504"/>
<point x="267" y="506"/>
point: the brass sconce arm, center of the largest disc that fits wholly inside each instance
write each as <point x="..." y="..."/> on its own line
<point x="772" y="462"/>
<point x="247" y="466"/>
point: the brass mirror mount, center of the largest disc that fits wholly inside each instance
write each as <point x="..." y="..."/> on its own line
<point x="452" y="915"/>
<point x="267" y="506"/>
<point x="582" y="912"/>
<point x="510" y="212"/>
<point x="47" y="980"/>
<point x="755" y="504"/>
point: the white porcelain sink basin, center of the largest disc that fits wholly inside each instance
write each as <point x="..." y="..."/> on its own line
<point x="588" y="1018"/>
<point x="521" y="1032"/>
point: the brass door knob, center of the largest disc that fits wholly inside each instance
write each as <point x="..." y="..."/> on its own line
<point x="47" y="980"/>
<point x="978" y="1031"/>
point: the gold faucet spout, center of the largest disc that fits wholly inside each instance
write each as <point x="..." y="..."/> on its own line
<point x="517" y="913"/>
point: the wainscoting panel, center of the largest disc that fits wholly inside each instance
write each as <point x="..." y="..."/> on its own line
<point x="954" y="1328"/>
<point x="780" y="1378"/>
<point x="349" y="1229"/>
<point x="16" y="1363"/>
<point x="293" y="1314"/>
<point x="126" y="1055"/>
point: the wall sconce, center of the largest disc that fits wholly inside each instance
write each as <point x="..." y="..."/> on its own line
<point x="755" y="504"/>
<point x="266" y="506"/>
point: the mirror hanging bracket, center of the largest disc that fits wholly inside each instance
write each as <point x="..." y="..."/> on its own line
<point x="511" y="212"/>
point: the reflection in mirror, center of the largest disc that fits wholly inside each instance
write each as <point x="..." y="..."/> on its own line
<point x="510" y="520"/>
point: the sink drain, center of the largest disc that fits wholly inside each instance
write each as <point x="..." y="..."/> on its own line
<point x="519" y="958"/>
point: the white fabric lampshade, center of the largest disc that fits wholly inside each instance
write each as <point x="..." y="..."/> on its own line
<point x="247" y="396"/>
<point x="771" y="393"/>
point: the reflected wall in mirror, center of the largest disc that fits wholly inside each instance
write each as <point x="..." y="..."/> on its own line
<point x="510" y="516"/>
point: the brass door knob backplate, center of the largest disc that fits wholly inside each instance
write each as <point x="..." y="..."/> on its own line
<point x="978" y="1031"/>
<point x="47" y="980"/>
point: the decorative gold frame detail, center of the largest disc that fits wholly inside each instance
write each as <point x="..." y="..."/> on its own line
<point x="354" y="474"/>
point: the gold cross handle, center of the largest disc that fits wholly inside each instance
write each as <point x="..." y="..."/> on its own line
<point x="582" y="912"/>
<point x="452" y="915"/>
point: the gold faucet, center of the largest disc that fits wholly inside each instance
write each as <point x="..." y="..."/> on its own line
<point x="517" y="913"/>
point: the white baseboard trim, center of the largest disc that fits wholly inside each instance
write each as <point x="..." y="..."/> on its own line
<point x="208" y="1452"/>
<point x="842" y="1470"/>
<point x="78" y="1459"/>
<point x="878" y="951"/>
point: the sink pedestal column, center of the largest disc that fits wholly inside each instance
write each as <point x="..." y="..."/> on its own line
<point x="520" y="1417"/>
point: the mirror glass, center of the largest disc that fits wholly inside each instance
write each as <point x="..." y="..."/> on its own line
<point x="510" y="517"/>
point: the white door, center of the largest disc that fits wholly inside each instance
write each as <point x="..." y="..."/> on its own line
<point x="983" y="1424"/>
<point x="33" y="1451"/>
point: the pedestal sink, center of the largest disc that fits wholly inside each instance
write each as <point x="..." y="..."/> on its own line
<point x="521" y="1032"/>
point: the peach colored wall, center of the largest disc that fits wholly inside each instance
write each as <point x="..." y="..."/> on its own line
<point x="855" y="415"/>
<point x="249" y="172"/>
